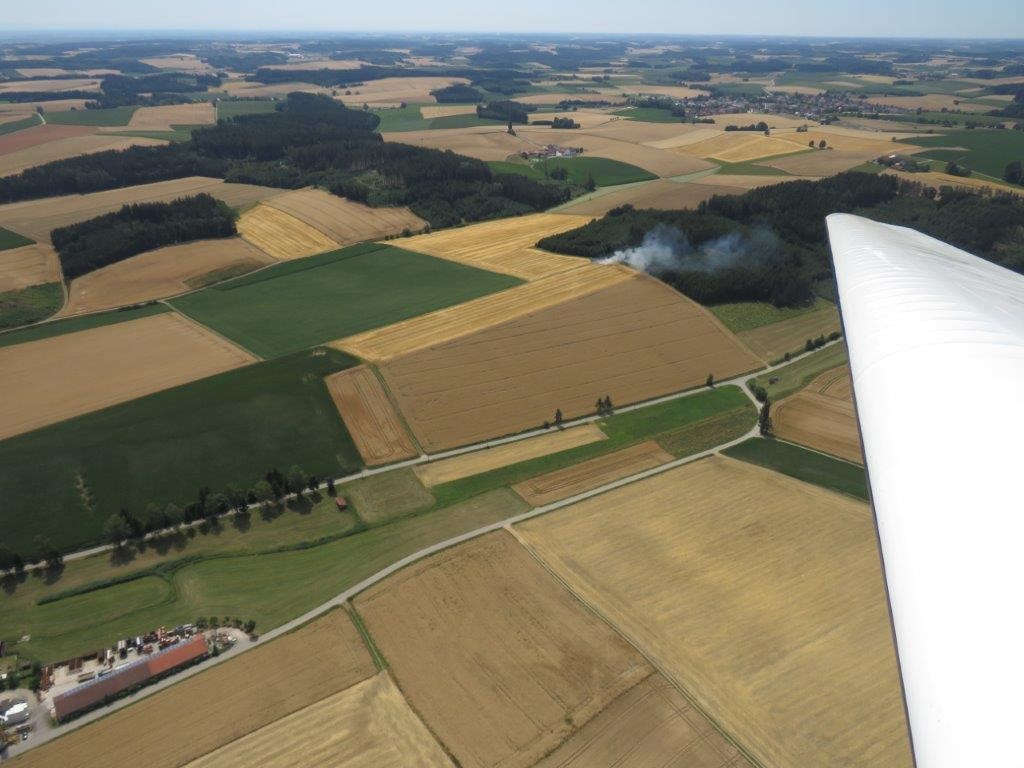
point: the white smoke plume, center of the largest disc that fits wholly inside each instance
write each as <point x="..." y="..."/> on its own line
<point x="665" y="249"/>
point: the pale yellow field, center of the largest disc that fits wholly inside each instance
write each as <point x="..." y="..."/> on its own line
<point x="389" y="342"/>
<point x="372" y="420"/>
<point x="770" y="342"/>
<point x="484" y="143"/>
<point x="343" y="221"/>
<point x="469" y="464"/>
<point x="938" y="179"/>
<point x="245" y="90"/>
<point x="166" y="117"/>
<point x="29" y="265"/>
<point x="368" y="725"/>
<point x="825" y="162"/>
<point x="739" y="147"/>
<point x="394" y="90"/>
<point x="676" y="139"/>
<point x="504" y="245"/>
<point x="61" y="149"/>
<point x="870" y="144"/>
<point x="186" y="62"/>
<point x="160" y="273"/>
<point x="596" y="143"/>
<point x="675" y="91"/>
<point x="54" y="379"/>
<point x="587" y="119"/>
<point x="281" y="235"/>
<point x="49" y="86"/>
<point x="26" y="108"/>
<point x="931" y="101"/>
<point x="761" y="595"/>
<point x="447" y="110"/>
<point x="746" y="118"/>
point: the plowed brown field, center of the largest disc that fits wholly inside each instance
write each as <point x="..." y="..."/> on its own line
<point x="650" y="725"/>
<point x="371" y="418"/>
<point x="821" y="416"/>
<point x="774" y="340"/>
<point x="219" y="705"/>
<point x="563" y="483"/>
<point x="761" y="595"/>
<point x="30" y="265"/>
<point x="281" y="235"/>
<point x="494" y="654"/>
<point x="634" y="340"/>
<point x="160" y="273"/>
<point x="63" y="376"/>
<point x="344" y="221"/>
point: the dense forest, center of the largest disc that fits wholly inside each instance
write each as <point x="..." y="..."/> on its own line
<point x="137" y="228"/>
<point x="506" y="111"/>
<point x="770" y="244"/>
<point x="308" y="140"/>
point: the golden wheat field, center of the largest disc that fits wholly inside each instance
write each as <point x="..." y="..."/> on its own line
<point x="164" y="118"/>
<point x="597" y="143"/>
<point x="821" y="416"/>
<point x="371" y="418"/>
<point x="761" y="595"/>
<point x="333" y="64"/>
<point x="282" y="235"/>
<point x="110" y="365"/>
<point x="739" y="147"/>
<point x="494" y="654"/>
<point x="663" y="194"/>
<point x="820" y="162"/>
<point x="28" y="265"/>
<point x="469" y="464"/>
<point x="35" y="135"/>
<point x="938" y="179"/>
<point x="391" y="341"/>
<point x="368" y="725"/>
<point x="771" y="342"/>
<point x="632" y="341"/>
<point x="161" y="273"/>
<point x="344" y="221"/>
<point x="221" y="704"/>
<point x="446" y="110"/>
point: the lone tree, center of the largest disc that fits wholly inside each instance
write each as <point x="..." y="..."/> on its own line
<point x="599" y="405"/>
<point x="558" y="417"/>
<point x="1014" y="172"/>
<point x="811" y="143"/>
<point x="591" y="185"/>
<point x="608" y="403"/>
<point x="764" y="420"/>
<point x="822" y="144"/>
<point x="710" y="380"/>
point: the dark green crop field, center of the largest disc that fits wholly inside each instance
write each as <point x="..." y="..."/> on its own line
<point x="985" y="151"/>
<point x="10" y="240"/>
<point x="301" y="303"/>
<point x="606" y="173"/>
<point x="809" y="466"/>
<point x="65" y="480"/>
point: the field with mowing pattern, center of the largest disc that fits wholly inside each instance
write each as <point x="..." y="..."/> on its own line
<point x="371" y="418"/>
<point x="821" y="416"/>
<point x="344" y="221"/>
<point x="281" y="235"/>
<point x="772" y="341"/>
<point x="388" y="496"/>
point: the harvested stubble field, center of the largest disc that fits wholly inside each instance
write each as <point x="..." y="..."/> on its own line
<point x="931" y="101"/>
<point x="477" y="462"/>
<point x="221" y="704"/>
<point x="820" y="162"/>
<point x="395" y="90"/>
<point x="332" y="64"/>
<point x="389" y="342"/>
<point x="388" y="496"/>
<point x="483" y="143"/>
<point x="674" y="91"/>
<point x="61" y="149"/>
<point x="39" y="134"/>
<point x="49" y="86"/>
<point x="938" y="179"/>
<point x="184" y="62"/>
<point x="160" y="273"/>
<point x="649" y="725"/>
<point x="37" y="218"/>
<point x="563" y="483"/>
<point x="368" y="725"/>
<point x="739" y="147"/>
<point x="54" y="379"/>
<point x="164" y="118"/>
<point x="371" y="418"/>
<point x="28" y="265"/>
<point x="771" y="342"/>
<point x="821" y="416"/>
<point x="505" y="245"/>
<point x="761" y="595"/>
<point x="632" y="341"/>
<point x="343" y="221"/>
<point x="282" y="235"/>
<point x="499" y="660"/>
<point x="447" y="110"/>
<point x="663" y="194"/>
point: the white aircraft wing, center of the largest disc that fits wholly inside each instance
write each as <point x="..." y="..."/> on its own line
<point x="936" y="342"/>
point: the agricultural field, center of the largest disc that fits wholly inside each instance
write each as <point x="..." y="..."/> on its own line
<point x="222" y="704"/>
<point x="22" y="306"/>
<point x="392" y="91"/>
<point x="37" y="218"/>
<point x="301" y="303"/>
<point x="388" y="496"/>
<point x="49" y="86"/>
<point x="772" y="341"/>
<point x="97" y="118"/>
<point x="344" y="221"/>
<point x="366" y="726"/>
<point x="25" y="265"/>
<point x="634" y="340"/>
<point x="182" y="62"/>
<point x="376" y="427"/>
<point x="477" y="637"/>
<point x="747" y="315"/>
<point x="62" y="149"/>
<point x="164" y="118"/>
<point x="651" y="724"/>
<point x="604" y="172"/>
<point x="491" y="142"/>
<point x="819" y="162"/>
<point x="281" y="235"/>
<point x="73" y="325"/>
<point x="38" y="135"/>
<point x="821" y="416"/>
<point x="162" y="272"/>
<point x="799" y="374"/>
<point x="776" y="586"/>
<point x="803" y="464"/>
<point x="984" y="151"/>
<point x="939" y="179"/>
<point x="170" y="443"/>
<point x="504" y="245"/>
<point x="739" y="147"/>
<point x="111" y="365"/>
<point x="228" y="108"/>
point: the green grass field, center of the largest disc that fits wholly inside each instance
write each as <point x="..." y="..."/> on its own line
<point x="297" y="304"/>
<point x="986" y="151"/>
<point x="745" y="315"/>
<point x="227" y="429"/>
<point x="752" y="168"/>
<point x="799" y="374"/>
<point x="178" y="134"/>
<point x="98" y="117"/>
<point x="409" y="118"/>
<point x="19" y="125"/>
<point x="30" y="305"/>
<point x="83" y="323"/>
<point x="809" y="466"/>
<point x="649" y="115"/>
<point x="606" y="173"/>
<point x="228" y="108"/>
<point x="10" y="240"/>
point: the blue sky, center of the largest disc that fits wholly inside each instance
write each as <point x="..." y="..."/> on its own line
<point x="870" y="18"/>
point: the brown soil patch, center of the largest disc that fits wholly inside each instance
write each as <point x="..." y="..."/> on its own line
<point x="372" y="420"/>
<point x="933" y="102"/>
<point x="770" y="342"/>
<point x="504" y="245"/>
<point x="49" y="86"/>
<point x="563" y="483"/>
<point x="166" y="117"/>
<point x="220" y="705"/>
<point x="469" y="464"/>
<point x="761" y="595"/>
<point x="494" y="654"/>
<point x="821" y="416"/>
<point x="37" y="218"/>
<point x="30" y="265"/>
<point x="62" y="149"/>
<point x="634" y="340"/>
<point x="366" y="726"/>
<point x="649" y="725"/>
<point x="281" y="235"/>
<point x="54" y="379"/>
<point x="159" y="273"/>
<point x="417" y="333"/>
<point x="40" y="134"/>
<point x="344" y="221"/>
